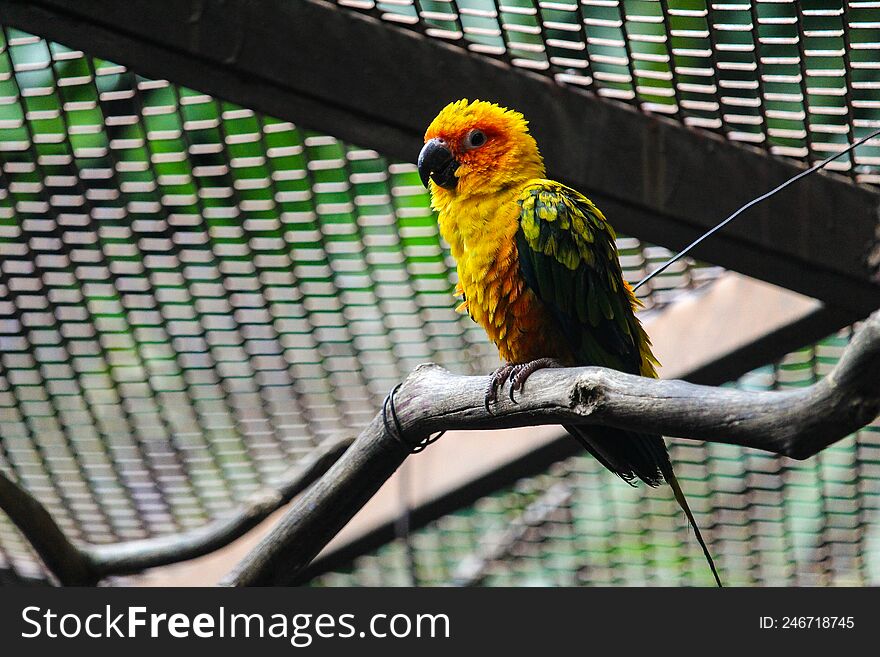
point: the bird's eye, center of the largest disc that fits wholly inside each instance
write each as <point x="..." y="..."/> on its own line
<point x="475" y="138"/>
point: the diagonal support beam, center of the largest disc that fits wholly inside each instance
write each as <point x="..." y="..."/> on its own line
<point x="735" y="325"/>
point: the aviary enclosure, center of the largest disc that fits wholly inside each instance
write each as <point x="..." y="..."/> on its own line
<point x="217" y="259"/>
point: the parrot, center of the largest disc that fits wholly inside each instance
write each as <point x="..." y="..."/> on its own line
<point x="538" y="269"/>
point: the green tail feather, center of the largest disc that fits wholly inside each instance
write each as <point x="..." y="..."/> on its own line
<point x="631" y="456"/>
<point x="671" y="479"/>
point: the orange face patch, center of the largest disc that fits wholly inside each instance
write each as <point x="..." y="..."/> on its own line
<point x="506" y="150"/>
<point x="457" y="121"/>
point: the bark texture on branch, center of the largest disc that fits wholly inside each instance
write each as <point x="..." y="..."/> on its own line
<point x="797" y="424"/>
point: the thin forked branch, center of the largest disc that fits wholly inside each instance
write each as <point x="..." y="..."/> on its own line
<point x="86" y="564"/>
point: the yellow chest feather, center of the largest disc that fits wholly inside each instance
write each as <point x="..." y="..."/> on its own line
<point x="482" y="237"/>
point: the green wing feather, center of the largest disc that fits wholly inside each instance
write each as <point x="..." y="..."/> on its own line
<point x="569" y="259"/>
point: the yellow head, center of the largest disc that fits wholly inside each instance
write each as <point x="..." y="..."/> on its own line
<point x="477" y="148"/>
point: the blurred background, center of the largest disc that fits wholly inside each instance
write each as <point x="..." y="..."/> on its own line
<point x="195" y="293"/>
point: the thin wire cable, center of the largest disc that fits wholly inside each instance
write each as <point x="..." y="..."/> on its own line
<point x="802" y="174"/>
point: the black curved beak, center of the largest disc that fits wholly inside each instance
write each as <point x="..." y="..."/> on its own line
<point x="436" y="163"/>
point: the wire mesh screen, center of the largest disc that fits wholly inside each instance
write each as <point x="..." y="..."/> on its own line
<point x="193" y="295"/>
<point x="768" y="520"/>
<point x="799" y="78"/>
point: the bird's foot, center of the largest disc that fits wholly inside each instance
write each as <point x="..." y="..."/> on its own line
<point x="517" y="375"/>
<point x="525" y="370"/>
<point x="496" y="382"/>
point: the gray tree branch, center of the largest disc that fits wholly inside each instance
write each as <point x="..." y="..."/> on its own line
<point x="86" y="564"/>
<point x="797" y="424"/>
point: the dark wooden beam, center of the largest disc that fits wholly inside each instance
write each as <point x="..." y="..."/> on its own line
<point x="378" y="85"/>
